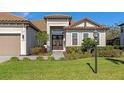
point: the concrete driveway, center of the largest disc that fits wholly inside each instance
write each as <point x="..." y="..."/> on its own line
<point x="4" y="58"/>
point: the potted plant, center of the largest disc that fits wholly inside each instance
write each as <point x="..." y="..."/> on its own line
<point x="42" y="38"/>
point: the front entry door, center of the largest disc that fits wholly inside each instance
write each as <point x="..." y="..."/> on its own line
<point x="57" y="42"/>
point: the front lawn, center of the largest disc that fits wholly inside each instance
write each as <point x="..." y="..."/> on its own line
<point x="108" y="68"/>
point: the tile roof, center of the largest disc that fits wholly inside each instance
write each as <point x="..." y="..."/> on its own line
<point x="11" y="18"/>
<point x="8" y="17"/>
<point x="75" y="23"/>
<point x="85" y="28"/>
<point x="55" y="16"/>
<point x="40" y="24"/>
<point x="85" y="20"/>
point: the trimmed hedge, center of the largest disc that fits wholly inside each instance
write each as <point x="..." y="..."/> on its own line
<point x="106" y="48"/>
<point x="78" y="56"/>
<point x="76" y="53"/>
<point x="70" y="50"/>
<point x="35" y="51"/>
<point x="110" y="53"/>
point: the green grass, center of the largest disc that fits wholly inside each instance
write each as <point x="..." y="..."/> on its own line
<point x="111" y="68"/>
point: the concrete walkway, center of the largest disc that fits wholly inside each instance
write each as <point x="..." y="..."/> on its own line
<point x="58" y="55"/>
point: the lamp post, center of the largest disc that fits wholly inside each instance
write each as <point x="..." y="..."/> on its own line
<point x="95" y="35"/>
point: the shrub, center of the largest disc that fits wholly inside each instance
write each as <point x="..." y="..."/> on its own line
<point x="35" y="51"/>
<point x="116" y="47"/>
<point x="14" y="59"/>
<point x="76" y="53"/>
<point x="88" y="44"/>
<point x="25" y="59"/>
<point x="70" y="50"/>
<point x="110" y="53"/>
<point x="40" y="58"/>
<point x="86" y="55"/>
<point x="78" y="56"/>
<point x="106" y="48"/>
<point x="121" y="48"/>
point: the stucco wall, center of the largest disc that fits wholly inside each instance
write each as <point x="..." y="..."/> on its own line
<point x="16" y="30"/>
<point x="102" y="37"/>
<point x="10" y="30"/>
<point x="31" y="39"/>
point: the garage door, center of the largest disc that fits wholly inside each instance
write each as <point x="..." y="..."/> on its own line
<point x="9" y="44"/>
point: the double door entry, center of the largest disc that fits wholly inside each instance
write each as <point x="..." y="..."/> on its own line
<point x="57" y="42"/>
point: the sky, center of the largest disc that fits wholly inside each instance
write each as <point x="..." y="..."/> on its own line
<point x="105" y="18"/>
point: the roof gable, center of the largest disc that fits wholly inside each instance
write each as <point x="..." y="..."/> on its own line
<point x="85" y="23"/>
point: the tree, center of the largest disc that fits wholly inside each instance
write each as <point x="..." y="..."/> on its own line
<point x="113" y="35"/>
<point x="42" y="38"/>
<point x="113" y="32"/>
<point x="88" y="44"/>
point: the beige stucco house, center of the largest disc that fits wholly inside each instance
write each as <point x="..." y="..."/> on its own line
<point x="64" y="32"/>
<point x="18" y="35"/>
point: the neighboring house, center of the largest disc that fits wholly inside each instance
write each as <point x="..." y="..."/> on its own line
<point x="122" y="34"/>
<point x="64" y="32"/>
<point x="115" y="41"/>
<point x="17" y="35"/>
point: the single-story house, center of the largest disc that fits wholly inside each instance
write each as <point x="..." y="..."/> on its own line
<point x="64" y="32"/>
<point x="18" y="35"/>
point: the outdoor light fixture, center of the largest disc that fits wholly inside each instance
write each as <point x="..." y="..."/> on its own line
<point x="22" y="37"/>
<point x="95" y="35"/>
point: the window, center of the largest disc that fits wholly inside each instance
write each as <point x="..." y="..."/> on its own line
<point x="74" y="38"/>
<point x="85" y="35"/>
